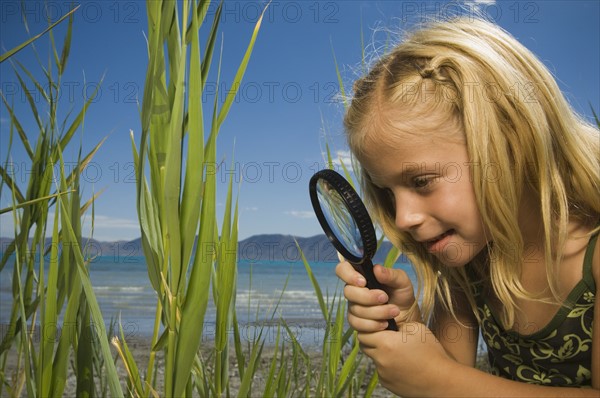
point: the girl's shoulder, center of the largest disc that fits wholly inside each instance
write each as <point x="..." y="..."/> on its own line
<point x="581" y="248"/>
<point x="594" y="257"/>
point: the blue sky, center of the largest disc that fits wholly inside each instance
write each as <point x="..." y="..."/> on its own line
<point x="288" y="99"/>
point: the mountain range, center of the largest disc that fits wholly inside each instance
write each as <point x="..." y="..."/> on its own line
<point x="267" y="247"/>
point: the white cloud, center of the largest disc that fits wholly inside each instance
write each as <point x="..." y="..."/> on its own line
<point x="341" y="156"/>
<point x="479" y="5"/>
<point x="344" y="157"/>
<point x="300" y="213"/>
<point x="101" y="221"/>
<point x="106" y="228"/>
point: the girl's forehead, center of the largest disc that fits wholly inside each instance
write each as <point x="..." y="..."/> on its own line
<point x="405" y="128"/>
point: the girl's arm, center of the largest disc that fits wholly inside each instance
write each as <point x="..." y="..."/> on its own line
<point x="459" y="336"/>
<point x="596" y="325"/>
<point x="465" y="381"/>
<point x="413" y="363"/>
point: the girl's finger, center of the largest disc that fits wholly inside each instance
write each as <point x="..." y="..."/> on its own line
<point x="363" y="325"/>
<point x="346" y="272"/>
<point x="377" y="313"/>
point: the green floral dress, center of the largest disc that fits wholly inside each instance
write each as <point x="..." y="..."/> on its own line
<point x="560" y="354"/>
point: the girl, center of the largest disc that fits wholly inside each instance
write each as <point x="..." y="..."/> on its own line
<point x="474" y="165"/>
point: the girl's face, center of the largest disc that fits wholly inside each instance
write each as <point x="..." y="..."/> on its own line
<point x="426" y="170"/>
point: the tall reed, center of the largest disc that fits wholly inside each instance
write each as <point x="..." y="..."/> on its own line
<point x="342" y="370"/>
<point x="186" y="252"/>
<point x="50" y="277"/>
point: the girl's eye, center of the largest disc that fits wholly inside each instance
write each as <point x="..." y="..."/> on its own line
<point x="421" y="182"/>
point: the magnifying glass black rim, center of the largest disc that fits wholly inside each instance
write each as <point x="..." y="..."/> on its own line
<point x="357" y="211"/>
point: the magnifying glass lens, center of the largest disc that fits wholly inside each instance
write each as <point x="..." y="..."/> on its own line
<point x="346" y="223"/>
<point x="339" y="218"/>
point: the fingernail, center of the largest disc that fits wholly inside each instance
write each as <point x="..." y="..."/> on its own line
<point x="361" y="281"/>
<point x="394" y="312"/>
<point x="382" y="298"/>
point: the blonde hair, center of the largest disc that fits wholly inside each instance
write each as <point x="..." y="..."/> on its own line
<point x="514" y="117"/>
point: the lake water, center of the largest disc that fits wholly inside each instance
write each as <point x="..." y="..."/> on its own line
<point x="123" y="289"/>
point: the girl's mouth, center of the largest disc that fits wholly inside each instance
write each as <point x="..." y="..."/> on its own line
<point x="439" y="242"/>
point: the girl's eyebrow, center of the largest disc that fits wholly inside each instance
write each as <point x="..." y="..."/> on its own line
<point x="407" y="169"/>
<point x="410" y="168"/>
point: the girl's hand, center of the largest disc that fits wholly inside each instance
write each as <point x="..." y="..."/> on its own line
<point x="410" y="362"/>
<point x="369" y="309"/>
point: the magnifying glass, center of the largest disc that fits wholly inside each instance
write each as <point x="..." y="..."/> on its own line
<point x="346" y="223"/>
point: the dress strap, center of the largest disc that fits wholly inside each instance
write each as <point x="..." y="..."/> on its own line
<point x="587" y="261"/>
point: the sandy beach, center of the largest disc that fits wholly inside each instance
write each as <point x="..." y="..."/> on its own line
<point x="141" y="349"/>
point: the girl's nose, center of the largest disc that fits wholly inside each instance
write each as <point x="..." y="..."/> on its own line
<point x="409" y="213"/>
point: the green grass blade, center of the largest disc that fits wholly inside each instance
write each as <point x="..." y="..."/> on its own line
<point x="347" y="174"/>
<point x="246" y="383"/>
<point x="32" y="202"/>
<point x="372" y="385"/>
<point x="172" y="181"/>
<point x="7" y="163"/>
<point x="49" y="315"/>
<point x="71" y="239"/>
<point x="66" y="47"/>
<point x="64" y="141"/>
<point x="346" y="375"/>
<point x="30" y="100"/>
<point x="85" y="353"/>
<point x="7" y="179"/>
<point x="270" y="384"/>
<point x="192" y="190"/>
<point x="151" y="245"/>
<point x="196" y="301"/>
<point x="21" y="46"/>
<point x="82" y="163"/>
<point x="96" y="314"/>
<point x="226" y="282"/>
<point x="391" y="257"/>
<point x="8" y="251"/>
<point x="294" y="340"/>
<point x="329" y="158"/>
<point x="339" y="77"/>
<point x="239" y="353"/>
<point x="17" y="124"/>
<point x="69" y="288"/>
<point x="201" y="11"/>
<point x="36" y="83"/>
<point x="314" y="283"/>
<point x="61" y="358"/>
<point x="335" y="345"/>
<point x="54" y="53"/>
<point x="25" y="343"/>
<point x="285" y="377"/>
<point x="210" y="44"/>
<point x="596" y="119"/>
<point x="87" y="332"/>
<point x="237" y="81"/>
<point x="129" y="362"/>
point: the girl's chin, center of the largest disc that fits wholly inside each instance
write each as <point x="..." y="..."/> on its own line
<point x="454" y="254"/>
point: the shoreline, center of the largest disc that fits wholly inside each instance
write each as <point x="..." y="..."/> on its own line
<point x="306" y="371"/>
<point x="141" y="348"/>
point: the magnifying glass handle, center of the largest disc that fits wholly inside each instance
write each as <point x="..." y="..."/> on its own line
<point x="366" y="269"/>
